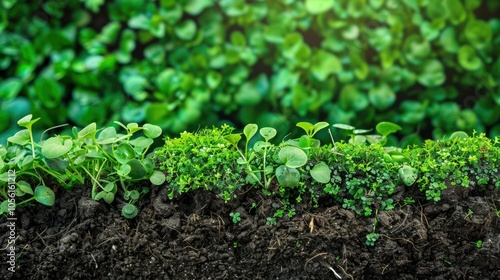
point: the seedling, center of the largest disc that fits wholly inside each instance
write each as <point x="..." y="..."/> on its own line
<point x="236" y="218"/>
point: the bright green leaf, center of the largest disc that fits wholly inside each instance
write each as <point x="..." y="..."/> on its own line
<point x="44" y="195"/>
<point x="321" y="173"/>
<point x="55" y="147"/>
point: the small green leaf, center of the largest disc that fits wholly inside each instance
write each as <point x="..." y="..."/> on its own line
<point x="44" y="195"/>
<point x="233" y="139"/>
<point x="129" y="211"/>
<point x="321" y="173"/>
<point x="459" y="134"/>
<point x="124" y="170"/>
<point x="432" y="74"/>
<point x="107" y="136"/>
<point x="152" y="131"/>
<point x="157" y="178"/>
<point x="408" y="174"/>
<point x="287" y="177"/>
<point x="386" y="128"/>
<point x="10" y="88"/>
<point x="88" y="132"/>
<point x="20" y="138"/>
<point x="268" y="133"/>
<point x="25" y="187"/>
<point x="186" y="30"/>
<point x="468" y="58"/>
<point x="124" y="152"/>
<point x="110" y="187"/>
<point x="55" y="147"/>
<point x="344" y="126"/>
<point x="259" y="145"/>
<point x="250" y="130"/>
<point x="318" y="6"/>
<point x="292" y="157"/>
<point x="27" y="122"/>
<point x="137" y="169"/>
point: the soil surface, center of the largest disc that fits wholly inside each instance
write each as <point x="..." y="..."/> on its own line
<point x="193" y="237"/>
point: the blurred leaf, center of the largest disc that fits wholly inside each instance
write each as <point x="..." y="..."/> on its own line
<point x="233" y="8"/>
<point x="448" y="40"/>
<point x="55" y="147"/>
<point x="48" y="92"/>
<point x="412" y="111"/>
<point x="478" y="33"/>
<point x="382" y="96"/>
<point x="352" y="98"/>
<point x="324" y="64"/>
<point x="213" y="79"/>
<point x="432" y="74"/>
<point x="10" y="88"/>
<point x="456" y="11"/>
<point x="468" y="59"/>
<point x="186" y="30"/>
<point x="318" y="6"/>
<point x="127" y="45"/>
<point x="93" y="5"/>
<point x="195" y="7"/>
<point x="380" y="38"/>
<point x="416" y="49"/>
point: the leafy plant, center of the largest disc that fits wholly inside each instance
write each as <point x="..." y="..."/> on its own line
<point x="236" y="218"/>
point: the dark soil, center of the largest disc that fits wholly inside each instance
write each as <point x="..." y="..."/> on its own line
<point x="194" y="238"/>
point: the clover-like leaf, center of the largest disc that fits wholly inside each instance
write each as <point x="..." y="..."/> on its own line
<point x="55" y="147"/>
<point x="186" y="30"/>
<point x="268" y="133"/>
<point x="157" y="178"/>
<point x="88" y="132"/>
<point x="432" y="74"/>
<point x="468" y="58"/>
<point x="152" y="131"/>
<point x="318" y="6"/>
<point x="324" y="64"/>
<point x="321" y="173"/>
<point x="124" y="152"/>
<point x="21" y="137"/>
<point x="478" y="33"/>
<point x="292" y="157"/>
<point x="386" y="128"/>
<point x="137" y="169"/>
<point x="250" y="130"/>
<point x="287" y="177"/>
<point x="44" y="195"/>
<point x="382" y="96"/>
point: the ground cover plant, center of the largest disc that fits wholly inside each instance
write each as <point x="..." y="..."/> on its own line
<point x="218" y="202"/>
<point x="269" y="62"/>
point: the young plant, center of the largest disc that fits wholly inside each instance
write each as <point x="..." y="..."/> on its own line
<point x="236" y="218"/>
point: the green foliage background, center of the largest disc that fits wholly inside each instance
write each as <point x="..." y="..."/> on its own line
<point x="426" y="65"/>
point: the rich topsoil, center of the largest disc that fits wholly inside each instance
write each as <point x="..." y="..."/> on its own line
<point x="193" y="237"/>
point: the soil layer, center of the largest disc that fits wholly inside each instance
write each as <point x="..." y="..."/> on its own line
<point x="194" y="237"/>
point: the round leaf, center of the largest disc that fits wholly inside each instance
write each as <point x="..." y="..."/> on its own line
<point x="152" y="131"/>
<point x="123" y="153"/>
<point x="432" y="74"/>
<point x="287" y="177"/>
<point x="292" y="157"/>
<point x="137" y="169"/>
<point x="318" y="6"/>
<point x="468" y="59"/>
<point x="382" y="96"/>
<point x="386" y="128"/>
<point x="268" y="133"/>
<point x="157" y="178"/>
<point x="55" y="147"/>
<point x="44" y="195"/>
<point x="321" y="173"/>
<point x="186" y="30"/>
